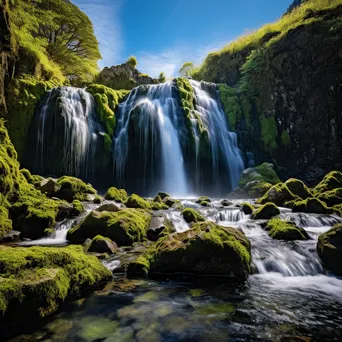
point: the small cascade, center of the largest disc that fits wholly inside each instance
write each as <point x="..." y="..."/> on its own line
<point x="147" y="142"/>
<point x="65" y="135"/>
<point x="223" y="143"/>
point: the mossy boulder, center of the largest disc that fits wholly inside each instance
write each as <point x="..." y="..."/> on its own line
<point x="118" y="195"/>
<point x="124" y="227"/>
<point x="205" y="249"/>
<point x="285" y="230"/>
<point x="311" y="205"/>
<point x="329" y="248"/>
<point x="263" y="173"/>
<point x="100" y="244"/>
<point x="259" y="189"/>
<point x="203" y="199"/>
<point x="138" y="267"/>
<point x="298" y="188"/>
<point x="226" y="203"/>
<point x="97" y="200"/>
<point x="77" y="208"/>
<point x="5" y="222"/>
<point x="171" y="202"/>
<point x="111" y="207"/>
<point x="192" y="216"/>
<point x="137" y="202"/>
<point x="163" y="195"/>
<point x="159" y="227"/>
<point x="205" y="204"/>
<point x="266" y="212"/>
<point x="159" y="206"/>
<point x="331" y="197"/>
<point x="279" y="194"/>
<point x="331" y="181"/>
<point x="73" y="188"/>
<point x="35" y="281"/>
<point x="247" y="208"/>
<point x="35" y="180"/>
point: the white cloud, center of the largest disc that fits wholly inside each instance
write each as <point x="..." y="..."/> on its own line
<point x="171" y="60"/>
<point x="105" y="17"/>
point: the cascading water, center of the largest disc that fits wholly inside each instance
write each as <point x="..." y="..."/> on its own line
<point x="65" y="134"/>
<point x="223" y="143"/>
<point x="154" y="118"/>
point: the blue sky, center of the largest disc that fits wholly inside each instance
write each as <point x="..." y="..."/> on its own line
<point x="163" y="34"/>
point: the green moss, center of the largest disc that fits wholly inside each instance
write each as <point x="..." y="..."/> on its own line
<point x="332" y="197"/>
<point x="266" y="212"/>
<point x="203" y="199"/>
<point x="311" y="205"/>
<point x="278" y="194"/>
<point x="285" y="138"/>
<point x="35" y="180"/>
<point x="97" y="199"/>
<point x="46" y="275"/>
<point x="331" y="181"/>
<point x="298" y="188"/>
<point x="247" y="208"/>
<point x="74" y="188"/>
<point x="285" y="230"/>
<point x="263" y="173"/>
<point x="199" y="249"/>
<point x="5" y="222"/>
<point x="114" y="194"/>
<point x="192" y="216"/>
<point x="124" y="227"/>
<point x="159" y="206"/>
<point x="107" y="102"/>
<point x="132" y="60"/>
<point x="139" y="266"/>
<point x="135" y="201"/>
<point x="23" y="97"/>
<point x="205" y="204"/>
<point x="259" y="189"/>
<point x="269" y="132"/>
<point x="77" y="208"/>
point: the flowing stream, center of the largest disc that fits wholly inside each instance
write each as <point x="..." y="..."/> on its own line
<point x="289" y="297"/>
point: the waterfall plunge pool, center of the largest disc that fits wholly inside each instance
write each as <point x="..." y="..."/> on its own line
<point x="288" y="298"/>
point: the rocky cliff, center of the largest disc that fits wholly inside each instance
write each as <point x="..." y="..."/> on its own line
<point x="282" y="90"/>
<point x="124" y="76"/>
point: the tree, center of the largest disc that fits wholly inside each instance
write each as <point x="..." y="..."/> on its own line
<point x="59" y="35"/>
<point x="132" y="61"/>
<point x="162" y="77"/>
<point x="186" y="69"/>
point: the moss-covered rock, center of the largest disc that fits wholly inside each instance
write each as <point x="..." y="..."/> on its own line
<point x="107" y="102"/>
<point x="73" y="188"/>
<point x="34" y="281"/>
<point x="77" y="208"/>
<point x="124" y="227"/>
<point x="285" y="230"/>
<point x="100" y="244"/>
<point x="247" y="208"/>
<point x="205" y="249"/>
<point x="97" y="200"/>
<point x="331" y="181"/>
<point x="35" y="180"/>
<point x="114" y="194"/>
<point x="159" y="206"/>
<point x="298" y="188"/>
<point x="163" y="195"/>
<point x="262" y="173"/>
<point x="259" y="189"/>
<point x="331" y="197"/>
<point x="203" y="199"/>
<point x="205" y="204"/>
<point x="171" y="202"/>
<point x="5" y="222"/>
<point x="279" y="194"/>
<point x="266" y="212"/>
<point x="111" y="207"/>
<point x="226" y="203"/>
<point x="137" y="202"/>
<point x="138" y="267"/>
<point x="192" y="216"/>
<point x="311" y="205"/>
<point x="49" y="187"/>
<point x="329" y="248"/>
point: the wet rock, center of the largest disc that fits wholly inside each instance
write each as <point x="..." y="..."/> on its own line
<point x="285" y="230"/>
<point x="205" y="204"/>
<point x="311" y="205"/>
<point x="100" y="244"/>
<point x="331" y="181"/>
<point x="163" y="195"/>
<point x="12" y="236"/>
<point x="49" y="187"/>
<point x="192" y="216"/>
<point x="279" y="194"/>
<point x="298" y="188"/>
<point x="111" y="207"/>
<point x="266" y="212"/>
<point x="157" y="227"/>
<point x="203" y="199"/>
<point x="329" y="248"/>
<point x="137" y="202"/>
<point x="247" y="208"/>
<point x="205" y="249"/>
<point x="124" y="227"/>
<point x="226" y="203"/>
<point x="77" y="208"/>
<point x="170" y="202"/>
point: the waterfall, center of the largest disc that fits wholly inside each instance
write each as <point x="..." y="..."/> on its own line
<point x="156" y="145"/>
<point x="223" y="143"/>
<point x="65" y="134"/>
<point x="147" y="141"/>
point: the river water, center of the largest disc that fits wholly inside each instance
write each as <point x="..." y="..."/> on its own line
<point x="289" y="297"/>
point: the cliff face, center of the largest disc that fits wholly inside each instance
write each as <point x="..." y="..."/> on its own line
<point x="285" y="102"/>
<point x="124" y="76"/>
